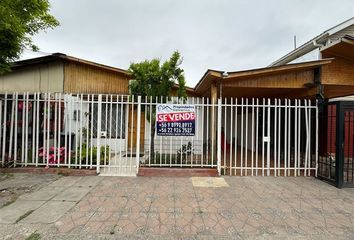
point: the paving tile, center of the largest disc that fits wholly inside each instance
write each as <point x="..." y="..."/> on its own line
<point x="44" y="194"/>
<point x="65" y="181"/>
<point x="88" y="181"/>
<point x="49" y="212"/>
<point x="13" y="212"/>
<point x="72" y="194"/>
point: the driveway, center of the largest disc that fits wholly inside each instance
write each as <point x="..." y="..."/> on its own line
<point x="181" y="208"/>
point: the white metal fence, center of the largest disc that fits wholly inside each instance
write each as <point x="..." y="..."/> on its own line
<point x="116" y="134"/>
<point x="264" y="137"/>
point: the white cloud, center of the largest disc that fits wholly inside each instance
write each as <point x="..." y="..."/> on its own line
<point x="224" y="34"/>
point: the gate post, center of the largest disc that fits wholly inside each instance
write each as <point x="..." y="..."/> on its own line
<point x="138" y="134"/>
<point x="219" y="138"/>
<point x="99" y="116"/>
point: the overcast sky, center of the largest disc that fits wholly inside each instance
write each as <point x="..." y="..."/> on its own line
<point x="225" y="35"/>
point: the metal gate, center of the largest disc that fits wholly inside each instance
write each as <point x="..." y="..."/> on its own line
<point x="336" y="153"/>
<point x="268" y="137"/>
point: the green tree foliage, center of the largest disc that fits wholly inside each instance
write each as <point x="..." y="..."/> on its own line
<point x="153" y="79"/>
<point x="19" y="21"/>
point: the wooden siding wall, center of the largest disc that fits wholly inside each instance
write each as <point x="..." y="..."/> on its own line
<point x="284" y="80"/>
<point x="132" y="129"/>
<point x="83" y="78"/>
<point x="340" y="71"/>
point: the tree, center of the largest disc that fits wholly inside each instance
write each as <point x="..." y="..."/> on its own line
<point x="153" y="79"/>
<point x="19" y="21"/>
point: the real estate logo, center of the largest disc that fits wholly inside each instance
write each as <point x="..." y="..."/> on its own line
<point x="175" y="120"/>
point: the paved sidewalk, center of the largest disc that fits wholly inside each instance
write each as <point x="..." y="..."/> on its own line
<point x="184" y="208"/>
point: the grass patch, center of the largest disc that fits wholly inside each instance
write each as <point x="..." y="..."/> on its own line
<point x="34" y="236"/>
<point x="24" y="215"/>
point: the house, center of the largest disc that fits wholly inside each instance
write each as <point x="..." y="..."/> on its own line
<point x="59" y="73"/>
<point x="279" y="120"/>
<point x="311" y="50"/>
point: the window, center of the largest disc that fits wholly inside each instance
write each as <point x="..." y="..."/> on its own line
<point x="112" y="120"/>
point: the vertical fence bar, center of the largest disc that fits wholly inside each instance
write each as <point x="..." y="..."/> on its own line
<point x="116" y="161"/>
<point x="80" y="120"/>
<point x="279" y="131"/>
<point x="44" y="123"/>
<point x="202" y="133"/>
<point x="242" y="131"/>
<point x="316" y="140"/>
<point x="289" y="138"/>
<point x="33" y="128"/>
<point x="263" y="132"/>
<point x="295" y="139"/>
<point x="252" y="139"/>
<point x="150" y="132"/>
<point x="231" y="134"/>
<point x="219" y="138"/>
<point x="131" y="135"/>
<point x="37" y="125"/>
<point x="26" y="128"/>
<point x="55" y="127"/>
<point x="246" y="139"/>
<point x="91" y="124"/>
<point x="121" y="130"/>
<point x="207" y="131"/>
<point x="87" y="117"/>
<point x="69" y="118"/>
<point x="299" y="138"/>
<point x="236" y="136"/>
<point x="268" y="136"/>
<point x="60" y="157"/>
<point x="99" y="119"/>
<point x="257" y="126"/>
<point x="138" y="135"/>
<point x="16" y="128"/>
<point x="310" y="133"/>
<point x="306" y="148"/>
<point x="224" y="132"/>
<point x="4" y="132"/>
<point x="48" y="127"/>
<point x="23" y="131"/>
<point x="285" y="137"/>
<point x="275" y="137"/>
<point x="105" y="129"/>
<point x="12" y="127"/>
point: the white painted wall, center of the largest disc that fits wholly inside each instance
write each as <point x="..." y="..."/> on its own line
<point x="71" y="125"/>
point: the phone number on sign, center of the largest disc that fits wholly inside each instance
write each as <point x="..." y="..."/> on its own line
<point x="176" y="125"/>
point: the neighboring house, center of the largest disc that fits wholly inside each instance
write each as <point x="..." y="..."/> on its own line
<point x="61" y="73"/>
<point x="311" y="50"/>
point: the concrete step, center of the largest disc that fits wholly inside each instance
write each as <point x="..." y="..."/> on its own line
<point x="177" y="172"/>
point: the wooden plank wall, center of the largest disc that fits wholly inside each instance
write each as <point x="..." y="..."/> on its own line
<point x="132" y="129"/>
<point x="83" y="78"/>
<point x="340" y="71"/>
<point x="284" y="80"/>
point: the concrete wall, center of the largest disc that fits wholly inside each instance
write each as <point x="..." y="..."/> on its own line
<point x="46" y="77"/>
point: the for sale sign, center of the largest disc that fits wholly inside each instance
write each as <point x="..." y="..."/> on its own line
<point x="175" y="120"/>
